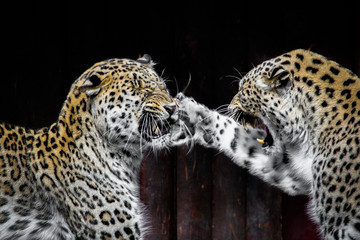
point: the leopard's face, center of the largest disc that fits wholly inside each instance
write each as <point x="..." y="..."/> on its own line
<point x="263" y="100"/>
<point x="296" y="96"/>
<point x="130" y="103"/>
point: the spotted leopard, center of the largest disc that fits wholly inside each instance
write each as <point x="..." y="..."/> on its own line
<point x="306" y="110"/>
<point x="78" y="179"/>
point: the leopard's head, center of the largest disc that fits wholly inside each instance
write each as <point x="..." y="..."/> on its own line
<point x="261" y="96"/>
<point x="129" y="102"/>
<point x="295" y="96"/>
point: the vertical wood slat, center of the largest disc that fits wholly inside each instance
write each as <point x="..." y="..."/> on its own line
<point x="263" y="211"/>
<point x="193" y="194"/>
<point x="157" y="193"/>
<point x="229" y="200"/>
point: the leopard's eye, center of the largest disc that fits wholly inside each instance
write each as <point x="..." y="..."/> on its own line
<point x="95" y="79"/>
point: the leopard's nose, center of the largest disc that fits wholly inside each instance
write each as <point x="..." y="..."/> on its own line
<point x="170" y="108"/>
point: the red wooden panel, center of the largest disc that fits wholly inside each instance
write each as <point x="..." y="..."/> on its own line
<point x="194" y="194"/>
<point x="229" y="200"/>
<point x="157" y="193"/>
<point x="263" y="211"/>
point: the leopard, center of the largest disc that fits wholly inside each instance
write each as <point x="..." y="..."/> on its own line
<point x="294" y="123"/>
<point x="79" y="178"/>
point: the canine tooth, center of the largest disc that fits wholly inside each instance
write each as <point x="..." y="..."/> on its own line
<point x="245" y="126"/>
<point x="157" y="131"/>
<point x="262" y="141"/>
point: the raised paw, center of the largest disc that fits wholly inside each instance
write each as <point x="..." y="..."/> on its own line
<point x="190" y="111"/>
<point x="194" y="121"/>
<point x="183" y="130"/>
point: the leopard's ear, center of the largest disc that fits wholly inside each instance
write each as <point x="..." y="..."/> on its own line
<point x="91" y="86"/>
<point x="146" y="60"/>
<point x="278" y="77"/>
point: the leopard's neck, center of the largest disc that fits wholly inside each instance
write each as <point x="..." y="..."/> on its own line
<point x="93" y="183"/>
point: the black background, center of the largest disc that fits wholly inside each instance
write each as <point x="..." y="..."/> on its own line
<point x="48" y="44"/>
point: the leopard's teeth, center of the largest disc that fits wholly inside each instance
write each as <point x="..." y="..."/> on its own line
<point x="245" y="126"/>
<point x="155" y="129"/>
<point x="262" y="141"/>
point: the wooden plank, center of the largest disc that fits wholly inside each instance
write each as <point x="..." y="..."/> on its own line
<point x="264" y="211"/>
<point x="157" y="193"/>
<point x="193" y="194"/>
<point x="229" y="200"/>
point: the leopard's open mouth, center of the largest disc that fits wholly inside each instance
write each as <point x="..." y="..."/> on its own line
<point x="159" y="128"/>
<point x="244" y="119"/>
<point x="152" y="127"/>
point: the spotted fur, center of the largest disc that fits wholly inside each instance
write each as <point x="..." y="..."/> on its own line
<point x="212" y="129"/>
<point x="308" y="109"/>
<point x="77" y="179"/>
